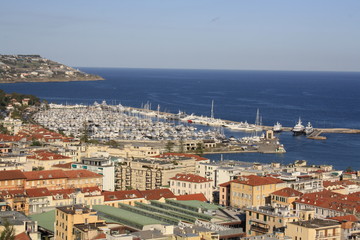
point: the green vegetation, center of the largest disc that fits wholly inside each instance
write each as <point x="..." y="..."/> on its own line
<point x="6" y="98"/>
<point x="169" y="146"/>
<point x="9" y="232"/>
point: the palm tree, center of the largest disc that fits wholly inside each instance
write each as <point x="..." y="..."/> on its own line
<point x="9" y="232"/>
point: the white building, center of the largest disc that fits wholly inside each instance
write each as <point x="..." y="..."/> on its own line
<point x="102" y="166"/>
<point x="183" y="184"/>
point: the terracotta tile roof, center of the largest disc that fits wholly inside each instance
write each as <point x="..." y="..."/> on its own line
<point x="65" y="193"/>
<point x="10" y="138"/>
<point x="287" y="192"/>
<point x="190" y="178"/>
<point x="91" y="190"/>
<point x="121" y="195"/>
<point x="22" y="236"/>
<point x="38" y="192"/>
<point x="186" y="155"/>
<point x="347" y="218"/>
<point x="331" y="200"/>
<point x="197" y="196"/>
<point x="11" y="175"/>
<point x="254" y="180"/>
<point x="337" y="183"/>
<point x="44" y="155"/>
<point x="46" y="174"/>
<point x="81" y="173"/>
<point x="12" y="193"/>
<point x="225" y="184"/>
<point x="100" y="236"/>
<point x="65" y="165"/>
<point x="156" y="194"/>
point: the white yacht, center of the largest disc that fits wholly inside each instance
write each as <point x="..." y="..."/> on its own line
<point x="277" y="127"/>
<point x="298" y="128"/>
<point x="309" y="129"/>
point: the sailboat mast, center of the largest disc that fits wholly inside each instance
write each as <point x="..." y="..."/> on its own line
<point x="212" y="109"/>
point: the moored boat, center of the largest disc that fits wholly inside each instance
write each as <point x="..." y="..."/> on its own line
<point x="309" y="129"/>
<point x="298" y="128"/>
<point x="277" y="127"/>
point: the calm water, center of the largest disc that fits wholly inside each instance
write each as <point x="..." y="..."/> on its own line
<point x="326" y="99"/>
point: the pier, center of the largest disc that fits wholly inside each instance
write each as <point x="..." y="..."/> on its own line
<point x="316" y="135"/>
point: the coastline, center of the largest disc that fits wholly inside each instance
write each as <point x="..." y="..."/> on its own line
<point x="28" y="80"/>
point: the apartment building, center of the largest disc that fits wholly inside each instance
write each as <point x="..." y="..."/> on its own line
<point x="315" y="229"/>
<point x="252" y="190"/>
<point x="183" y="184"/>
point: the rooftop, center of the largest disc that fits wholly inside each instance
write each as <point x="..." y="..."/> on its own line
<point x="254" y="180"/>
<point x="190" y="178"/>
<point x="45" y="220"/>
<point x="316" y="223"/>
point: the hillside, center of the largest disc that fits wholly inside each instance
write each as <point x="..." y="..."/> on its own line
<point x="34" y="68"/>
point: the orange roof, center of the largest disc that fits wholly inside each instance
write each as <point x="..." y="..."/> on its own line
<point x="190" y="178"/>
<point x="338" y="183"/>
<point x="197" y="196"/>
<point x="38" y="192"/>
<point x="22" y="236"/>
<point x="347" y="218"/>
<point x="156" y="194"/>
<point x="64" y="165"/>
<point x="45" y="174"/>
<point x="254" y="180"/>
<point x="197" y="157"/>
<point x="331" y="200"/>
<point x="287" y="192"/>
<point x="11" y="175"/>
<point x="81" y="173"/>
<point x="121" y="195"/>
<point x="44" y="155"/>
<point x="225" y="184"/>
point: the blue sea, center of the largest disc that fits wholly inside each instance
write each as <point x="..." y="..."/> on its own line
<point x="326" y="99"/>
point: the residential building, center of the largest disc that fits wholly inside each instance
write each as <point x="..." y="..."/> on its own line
<point x="44" y="160"/>
<point x="285" y="198"/>
<point x="83" y="179"/>
<point x="145" y="174"/>
<point x="12" y="179"/>
<point x="266" y="219"/>
<point x="24" y="227"/>
<point x="314" y="229"/>
<point x="50" y="179"/>
<point x="76" y="222"/>
<point x="350" y="226"/>
<point x="329" y="204"/>
<point x="190" y="184"/>
<point x="252" y="190"/>
<point x="224" y="194"/>
<point x="102" y="166"/>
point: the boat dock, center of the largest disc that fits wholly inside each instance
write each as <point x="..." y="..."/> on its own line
<point x="316" y="135"/>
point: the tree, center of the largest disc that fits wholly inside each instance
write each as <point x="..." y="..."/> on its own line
<point x="9" y="232"/>
<point x="199" y="149"/>
<point x="181" y="147"/>
<point x="169" y="146"/>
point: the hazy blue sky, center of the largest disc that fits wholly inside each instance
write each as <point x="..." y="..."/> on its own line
<point x="223" y="34"/>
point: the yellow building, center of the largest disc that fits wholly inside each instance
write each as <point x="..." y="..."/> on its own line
<point x="253" y="190"/>
<point x="314" y="229"/>
<point x="266" y="219"/>
<point x="69" y="222"/>
<point x="285" y="198"/>
<point x="145" y="174"/>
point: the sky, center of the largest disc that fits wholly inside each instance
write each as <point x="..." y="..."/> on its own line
<point x="320" y="35"/>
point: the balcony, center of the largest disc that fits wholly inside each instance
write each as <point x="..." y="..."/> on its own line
<point x="259" y="229"/>
<point x="326" y="236"/>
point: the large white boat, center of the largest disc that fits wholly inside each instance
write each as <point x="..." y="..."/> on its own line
<point x="298" y="128"/>
<point x="309" y="129"/>
<point x="277" y="127"/>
